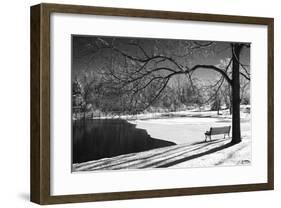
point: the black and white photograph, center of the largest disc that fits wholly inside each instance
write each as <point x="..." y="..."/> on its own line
<point x="143" y="103"/>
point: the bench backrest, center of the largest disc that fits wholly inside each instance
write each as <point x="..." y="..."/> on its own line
<point x="220" y="130"/>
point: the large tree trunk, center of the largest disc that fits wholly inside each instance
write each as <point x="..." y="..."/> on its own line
<point x="236" y="131"/>
<point x="230" y="100"/>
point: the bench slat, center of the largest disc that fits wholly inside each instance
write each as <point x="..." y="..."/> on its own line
<point x="220" y="130"/>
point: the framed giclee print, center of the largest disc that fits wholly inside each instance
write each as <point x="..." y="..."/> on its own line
<point x="132" y="103"/>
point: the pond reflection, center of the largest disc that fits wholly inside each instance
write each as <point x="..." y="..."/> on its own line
<point x="101" y="138"/>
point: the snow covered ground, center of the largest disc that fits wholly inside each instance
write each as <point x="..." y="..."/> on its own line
<point x="239" y="154"/>
<point x="204" y="154"/>
<point x="186" y="129"/>
<point x="189" y="126"/>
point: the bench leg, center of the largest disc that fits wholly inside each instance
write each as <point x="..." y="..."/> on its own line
<point x="206" y="137"/>
<point x="224" y="136"/>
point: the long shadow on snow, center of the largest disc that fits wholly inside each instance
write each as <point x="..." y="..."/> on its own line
<point x="185" y="149"/>
<point x="196" y="155"/>
<point x="176" y="150"/>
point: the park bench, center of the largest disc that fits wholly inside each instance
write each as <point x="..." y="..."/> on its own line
<point x="217" y="130"/>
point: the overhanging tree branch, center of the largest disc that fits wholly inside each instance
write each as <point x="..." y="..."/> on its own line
<point x="219" y="70"/>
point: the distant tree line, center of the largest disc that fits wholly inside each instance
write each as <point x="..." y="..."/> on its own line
<point x="90" y="98"/>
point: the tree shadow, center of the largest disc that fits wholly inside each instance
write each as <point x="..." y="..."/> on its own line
<point x="153" y="156"/>
<point x="213" y="141"/>
<point x="196" y="155"/>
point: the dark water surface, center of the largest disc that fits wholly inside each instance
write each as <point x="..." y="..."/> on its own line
<point x="101" y="138"/>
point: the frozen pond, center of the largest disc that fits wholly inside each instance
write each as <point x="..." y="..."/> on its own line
<point x="187" y="129"/>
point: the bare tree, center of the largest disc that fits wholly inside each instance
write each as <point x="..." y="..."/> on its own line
<point x="138" y="75"/>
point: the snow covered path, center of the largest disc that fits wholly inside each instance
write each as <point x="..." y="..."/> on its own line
<point x="203" y="154"/>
